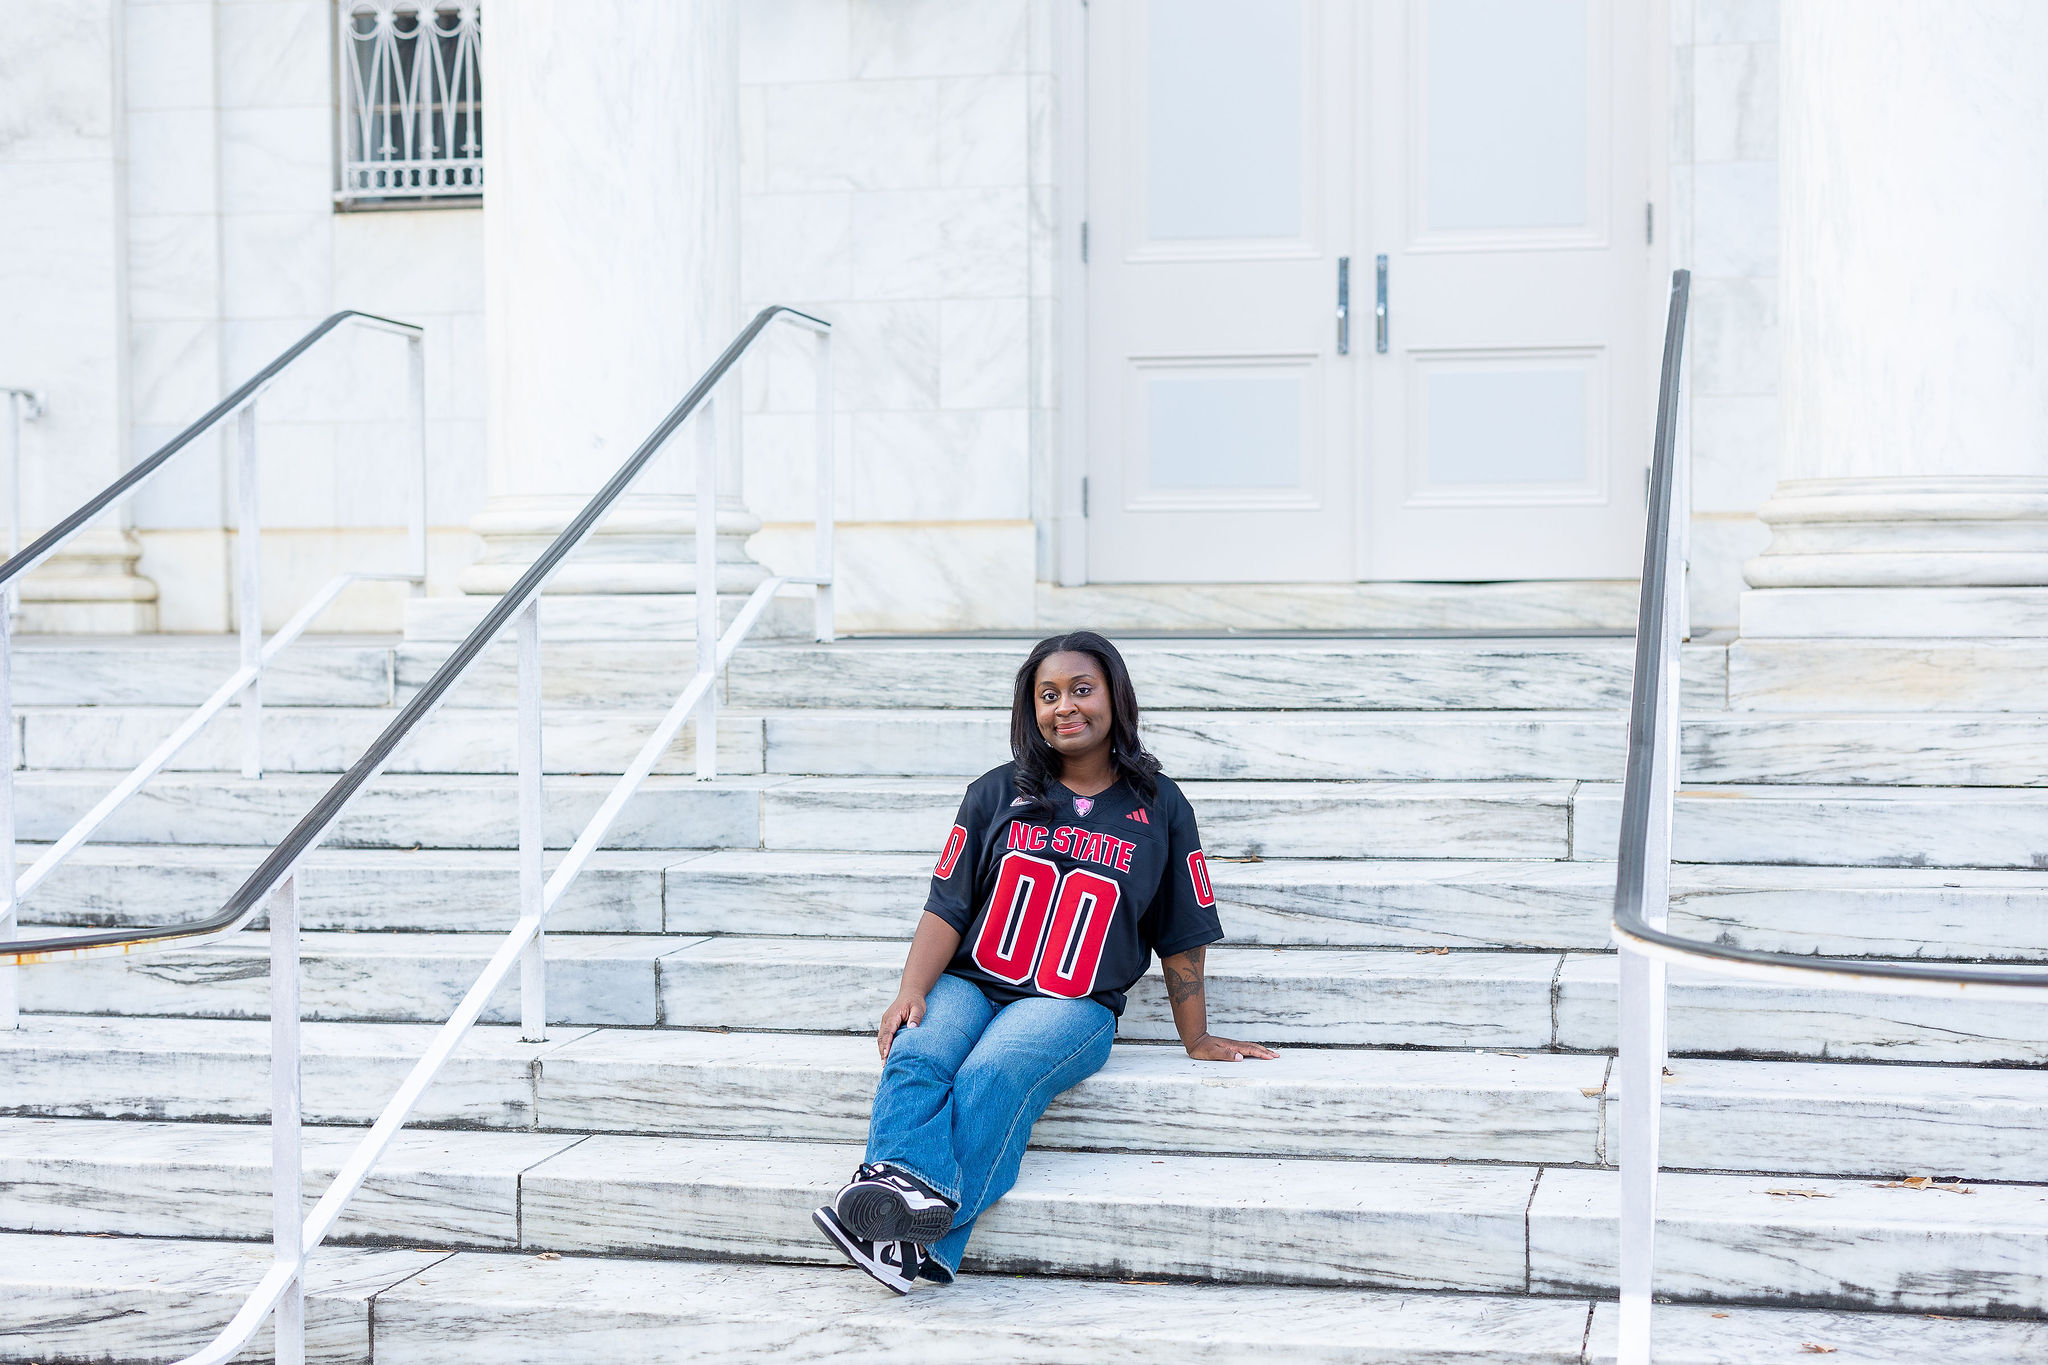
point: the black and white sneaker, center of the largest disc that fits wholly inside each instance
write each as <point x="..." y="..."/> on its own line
<point x="885" y="1203"/>
<point x="894" y="1263"/>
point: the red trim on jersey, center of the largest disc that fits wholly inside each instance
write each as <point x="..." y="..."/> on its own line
<point x="955" y="842"/>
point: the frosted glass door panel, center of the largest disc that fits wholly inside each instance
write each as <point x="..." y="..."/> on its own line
<point x="1506" y="426"/>
<point x="1505" y="120"/>
<point x="1223" y="432"/>
<point x="1223" y="118"/>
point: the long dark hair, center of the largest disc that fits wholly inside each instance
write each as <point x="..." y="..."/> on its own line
<point x="1038" y="763"/>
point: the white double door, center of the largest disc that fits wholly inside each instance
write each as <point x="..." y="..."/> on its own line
<point x="1495" y="153"/>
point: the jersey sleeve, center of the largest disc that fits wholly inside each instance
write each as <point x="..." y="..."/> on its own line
<point x="952" y="894"/>
<point x="1183" y="915"/>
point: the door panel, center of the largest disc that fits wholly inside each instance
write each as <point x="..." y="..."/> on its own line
<point x="1513" y="382"/>
<point x="1216" y="441"/>
<point x="1496" y="151"/>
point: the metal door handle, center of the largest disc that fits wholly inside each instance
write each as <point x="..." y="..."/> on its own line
<point x="1379" y="306"/>
<point x="1343" y="305"/>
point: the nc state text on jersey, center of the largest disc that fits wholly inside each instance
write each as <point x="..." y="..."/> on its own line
<point x="1083" y="845"/>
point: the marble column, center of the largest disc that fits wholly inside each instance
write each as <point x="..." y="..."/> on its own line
<point x="63" y="269"/>
<point x="611" y="267"/>
<point x="1914" y="320"/>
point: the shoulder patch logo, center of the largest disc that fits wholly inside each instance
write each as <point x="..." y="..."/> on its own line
<point x="955" y="842"/>
<point x="1084" y="804"/>
<point x="1140" y="816"/>
<point x="1019" y="801"/>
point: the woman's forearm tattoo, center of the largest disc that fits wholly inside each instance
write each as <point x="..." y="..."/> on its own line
<point x="1185" y="983"/>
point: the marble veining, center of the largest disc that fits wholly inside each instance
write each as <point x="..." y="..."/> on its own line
<point x="1296" y="995"/>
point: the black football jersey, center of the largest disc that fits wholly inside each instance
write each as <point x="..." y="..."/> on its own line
<point x="1070" y="899"/>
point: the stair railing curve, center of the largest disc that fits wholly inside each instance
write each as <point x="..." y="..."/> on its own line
<point x="1643" y="874"/>
<point x="246" y="682"/>
<point x="275" y="881"/>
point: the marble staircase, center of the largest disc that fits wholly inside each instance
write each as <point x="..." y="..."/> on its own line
<point x="1412" y="842"/>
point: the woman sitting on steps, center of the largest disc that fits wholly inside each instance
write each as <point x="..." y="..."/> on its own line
<point x="1066" y="869"/>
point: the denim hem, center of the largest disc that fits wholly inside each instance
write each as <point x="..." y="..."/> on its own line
<point x="933" y="1185"/>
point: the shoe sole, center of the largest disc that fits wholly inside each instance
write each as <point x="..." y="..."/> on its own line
<point x="832" y="1235"/>
<point x="879" y="1214"/>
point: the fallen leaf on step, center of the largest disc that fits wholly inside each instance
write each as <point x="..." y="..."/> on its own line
<point x="1431" y="952"/>
<point x="549" y="1256"/>
<point x="1922" y="1182"/>
<point x="1518" y="1056"/>
<point x="1717" y="1315"/>
<point x="1592" y="1092"/>
<point x="1247" y="858"/>
<point x="1814" y="1348"/>
<point x="1800" y="1194"/>
<point x="1129" y="1281"/>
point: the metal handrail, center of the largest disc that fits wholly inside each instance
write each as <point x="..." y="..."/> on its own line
<point x="1642" y="877"/>
<point x="53" y="539"/>
<point x="275" y="881"/>
<point x="241" y="907"/>
<point x="245" y="683"/>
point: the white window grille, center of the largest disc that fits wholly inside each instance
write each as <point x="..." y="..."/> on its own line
<point x="411" y="100"/>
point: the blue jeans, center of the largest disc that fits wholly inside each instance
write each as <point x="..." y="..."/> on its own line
<point x="960" y="1092"/>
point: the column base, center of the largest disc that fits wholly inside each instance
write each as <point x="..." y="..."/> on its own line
<point x="647" y="545"/>
<point x="91" y="588"/>
<point x="1923" y="613"/>
<point x="595" y="617"/>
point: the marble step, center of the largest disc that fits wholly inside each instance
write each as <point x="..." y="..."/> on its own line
<point x="1916" y="675"/>
<point x="1824" y="1242"/>
<point x="1405" y="746"/>
<point x="178" y="670"/>
<point x="311" y="739"/>
<point x="156" y="1300"/>
<point x="1711" y="1014"/>
<point x="152" y="1301"/>
<point x="1936" y="827"/>
<point x="433" y="1187"/>
<point x="1886" y="912"/>
<point x="458" y="890"/>
<point x="1937" y="749"/>
<point x="863" y="814"/>
<point x="397" y="811"/>
<point x="1792" y="1117"/>
<point x="1238" y="819"/>
<point x="1180" y="674"/>
<point x="1396" y="998"/>
<point x="1394" y="746"/>
<point x="1346" y="997"/>
<point x="1317" y="1102"/>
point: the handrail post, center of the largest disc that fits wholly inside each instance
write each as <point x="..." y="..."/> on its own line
<point x="416" y="524"/>
<point x="248" y="589"/>
<point x="707" y="586"/>
<point x="10" y="1001"/>
<point x="287" y="1211"/>
<point x="826" y="499"/>
<point x="533" y="981"/>
<point x="1643" y="867"/>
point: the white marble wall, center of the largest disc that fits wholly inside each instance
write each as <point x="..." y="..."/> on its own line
<point x="235" y="249"/>
<point x="897" y="174"/>
<point x="897" y="178"/>
<point x="1724" y="221"/>
<point x="63" y="309"/>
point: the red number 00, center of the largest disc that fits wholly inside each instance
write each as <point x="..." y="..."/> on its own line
<point x="1016" y="927"/>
